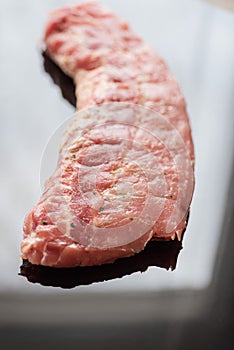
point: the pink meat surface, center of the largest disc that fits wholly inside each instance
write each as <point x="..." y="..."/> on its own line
<point x="125" y="169"/>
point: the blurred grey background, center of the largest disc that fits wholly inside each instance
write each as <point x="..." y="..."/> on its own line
<point x="196" y="40"/>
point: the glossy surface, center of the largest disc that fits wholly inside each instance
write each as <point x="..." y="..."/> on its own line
<point x="200" y="52"/>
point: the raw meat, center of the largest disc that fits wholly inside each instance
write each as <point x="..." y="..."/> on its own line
<point x="125" y="168"/>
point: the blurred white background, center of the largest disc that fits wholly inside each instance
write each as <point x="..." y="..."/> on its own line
<point x="196" y="40"/>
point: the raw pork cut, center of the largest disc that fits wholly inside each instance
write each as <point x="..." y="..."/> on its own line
<point x="125" y="168"/>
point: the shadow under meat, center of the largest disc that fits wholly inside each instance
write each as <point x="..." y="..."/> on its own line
<point x="64" y="82"/>
<point x="157" y="253"/>
<point x="162" y="254"/>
